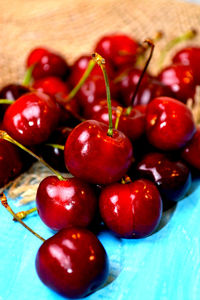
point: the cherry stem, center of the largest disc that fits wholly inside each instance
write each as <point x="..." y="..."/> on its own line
<point x="118" y="114"/>
<point x="184" y="37"/>
<point x="28" y="75"/>
<point x="101" y="62"/>
<point x="61" y="147"/>
<point x="4" y="135"/>
<point x="126" y="180"/>
<point x="24" y="213"/>
<point x="9" y="209"/>
<point x="150" y="43"/>
<point x="6" y="101"/>
<point x="87" y="72"/>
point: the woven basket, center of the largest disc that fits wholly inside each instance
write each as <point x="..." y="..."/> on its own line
<point x="73" y="27"/>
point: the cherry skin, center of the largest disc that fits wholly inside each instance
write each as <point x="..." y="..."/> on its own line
<point x="172" y="176"/>
<point x="132" y="125"/>
<point x="96" y="106"/>
<point x="73" y="263"/>
<point x="189" y="56"/>
<point x="191" y="151"/>
<point x="53" y="155"/>
<point x="169" y="123"/>
<point x="12" y="92"/>
<point x="131" y="210"/>
<point x="47" y="63"/>
<point x="91" y="155"/>
<point x="65" y="203"/>
<point x="180" y="80"/>
<point x="117" y="49"/>
<point x="10" y="162"/>
<point x="31" y="119"/>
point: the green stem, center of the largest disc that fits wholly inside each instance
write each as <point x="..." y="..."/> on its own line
<point x="61" y="147"/>
<point x="149" y="42"/>
<point x="184" y="37"/>
<point x="101" y="62"/>
<point x="118" y="114"/>
<point x="28" y="75"/>
<point x="6" y="101"/>
<point x="87" y="72"/>
<point x="5" y="136"/>
<point x="23" y="214"/>
<point x="9" y="209"/>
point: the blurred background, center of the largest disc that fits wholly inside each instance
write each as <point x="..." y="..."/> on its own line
<point x="73" y="27"/>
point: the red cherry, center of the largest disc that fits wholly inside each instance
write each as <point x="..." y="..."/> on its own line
<point x="10" y="162"/>
<point x="73" y="263"/>
<point x="191" y="151"/>
<point x="92" y="155"/>
<point x="117" y="49"/>
<point x="180" y="80"/>
<point x="189" y="56"/>
<point x="169" y="123"/>
<point x="52" y="86"/>
<point x="171" y="175"/>
<point x="65" y="203"/>
<point x="92" y="109"/>
<point x="31" y="119"/>
<point x="131" y="210"/>
<point x="47" y="63"/>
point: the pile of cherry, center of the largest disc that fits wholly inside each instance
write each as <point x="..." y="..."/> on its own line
<point x="123" y="176"/>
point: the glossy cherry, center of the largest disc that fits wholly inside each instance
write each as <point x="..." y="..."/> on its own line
<point x="171" y="175"/>
<point x="73" y="263"/>
<point x="189" y="56"/>
<point x="92" y="109"/>
<point x="191" y="151"/>
<point x="31" y="119"/>
<point x="117" y="49"/>
<point x="47" y="63"/>
<point x="131" y="210"/>
<point x="92" y="155"/>
<point x="65" y="203"/>
<point x="180" y="80"/>
<point x="169" y="123"/>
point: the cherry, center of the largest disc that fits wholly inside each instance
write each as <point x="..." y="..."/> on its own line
<point x="189" y="56"/>
<point x="47" y="63"/>
<point x="11" y="163"/>
<point x="73" y="262"/>
<point x="169" y="123"/>
<point x="118" y="49"/>
<point x="191" y="151"/>
<point x="32" y="118"/>
<point x="92" y="109"/>
<point x="171" y="175"/>
<point x="180" y="80"/>
<point x="131" y="210"/>
<point x="80" y="66"/>
<point x="12" y="92"/>
<point x="94" y="156"/>
<point x="65" y="203"/>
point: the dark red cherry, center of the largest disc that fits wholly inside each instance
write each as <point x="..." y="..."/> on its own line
<point x="180" y="80"/>
<point x="191" y="152"/>
<point x="80" y="66"/>
<point x="169" y="123"/>
<point x="131" y="210"/>
<point x="92" y="155"/>
<point x="11" y="163"/>
<point x="117" y="49"/>
<point x="47" y="63"/>
<point x="171" y="175"/>
<point x="132" y="125"/>
<point x="127" y="84"/>
<point x="90" y="111"/>
<point x="189" y="56"/>
<point x="11" y="92"/>
<point x="73" y="263"/>
<point x="54" y="155"/>
<point x="94" y="88"/>
<point x="65" y="203"/>
<point x="31" y="119"/>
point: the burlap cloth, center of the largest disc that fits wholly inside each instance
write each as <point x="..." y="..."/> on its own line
<point x="72" y="27"/>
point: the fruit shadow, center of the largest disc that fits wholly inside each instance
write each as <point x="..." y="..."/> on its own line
<point x="166" y="217"/>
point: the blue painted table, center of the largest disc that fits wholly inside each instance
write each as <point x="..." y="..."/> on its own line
<point x="166" y="265"/>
